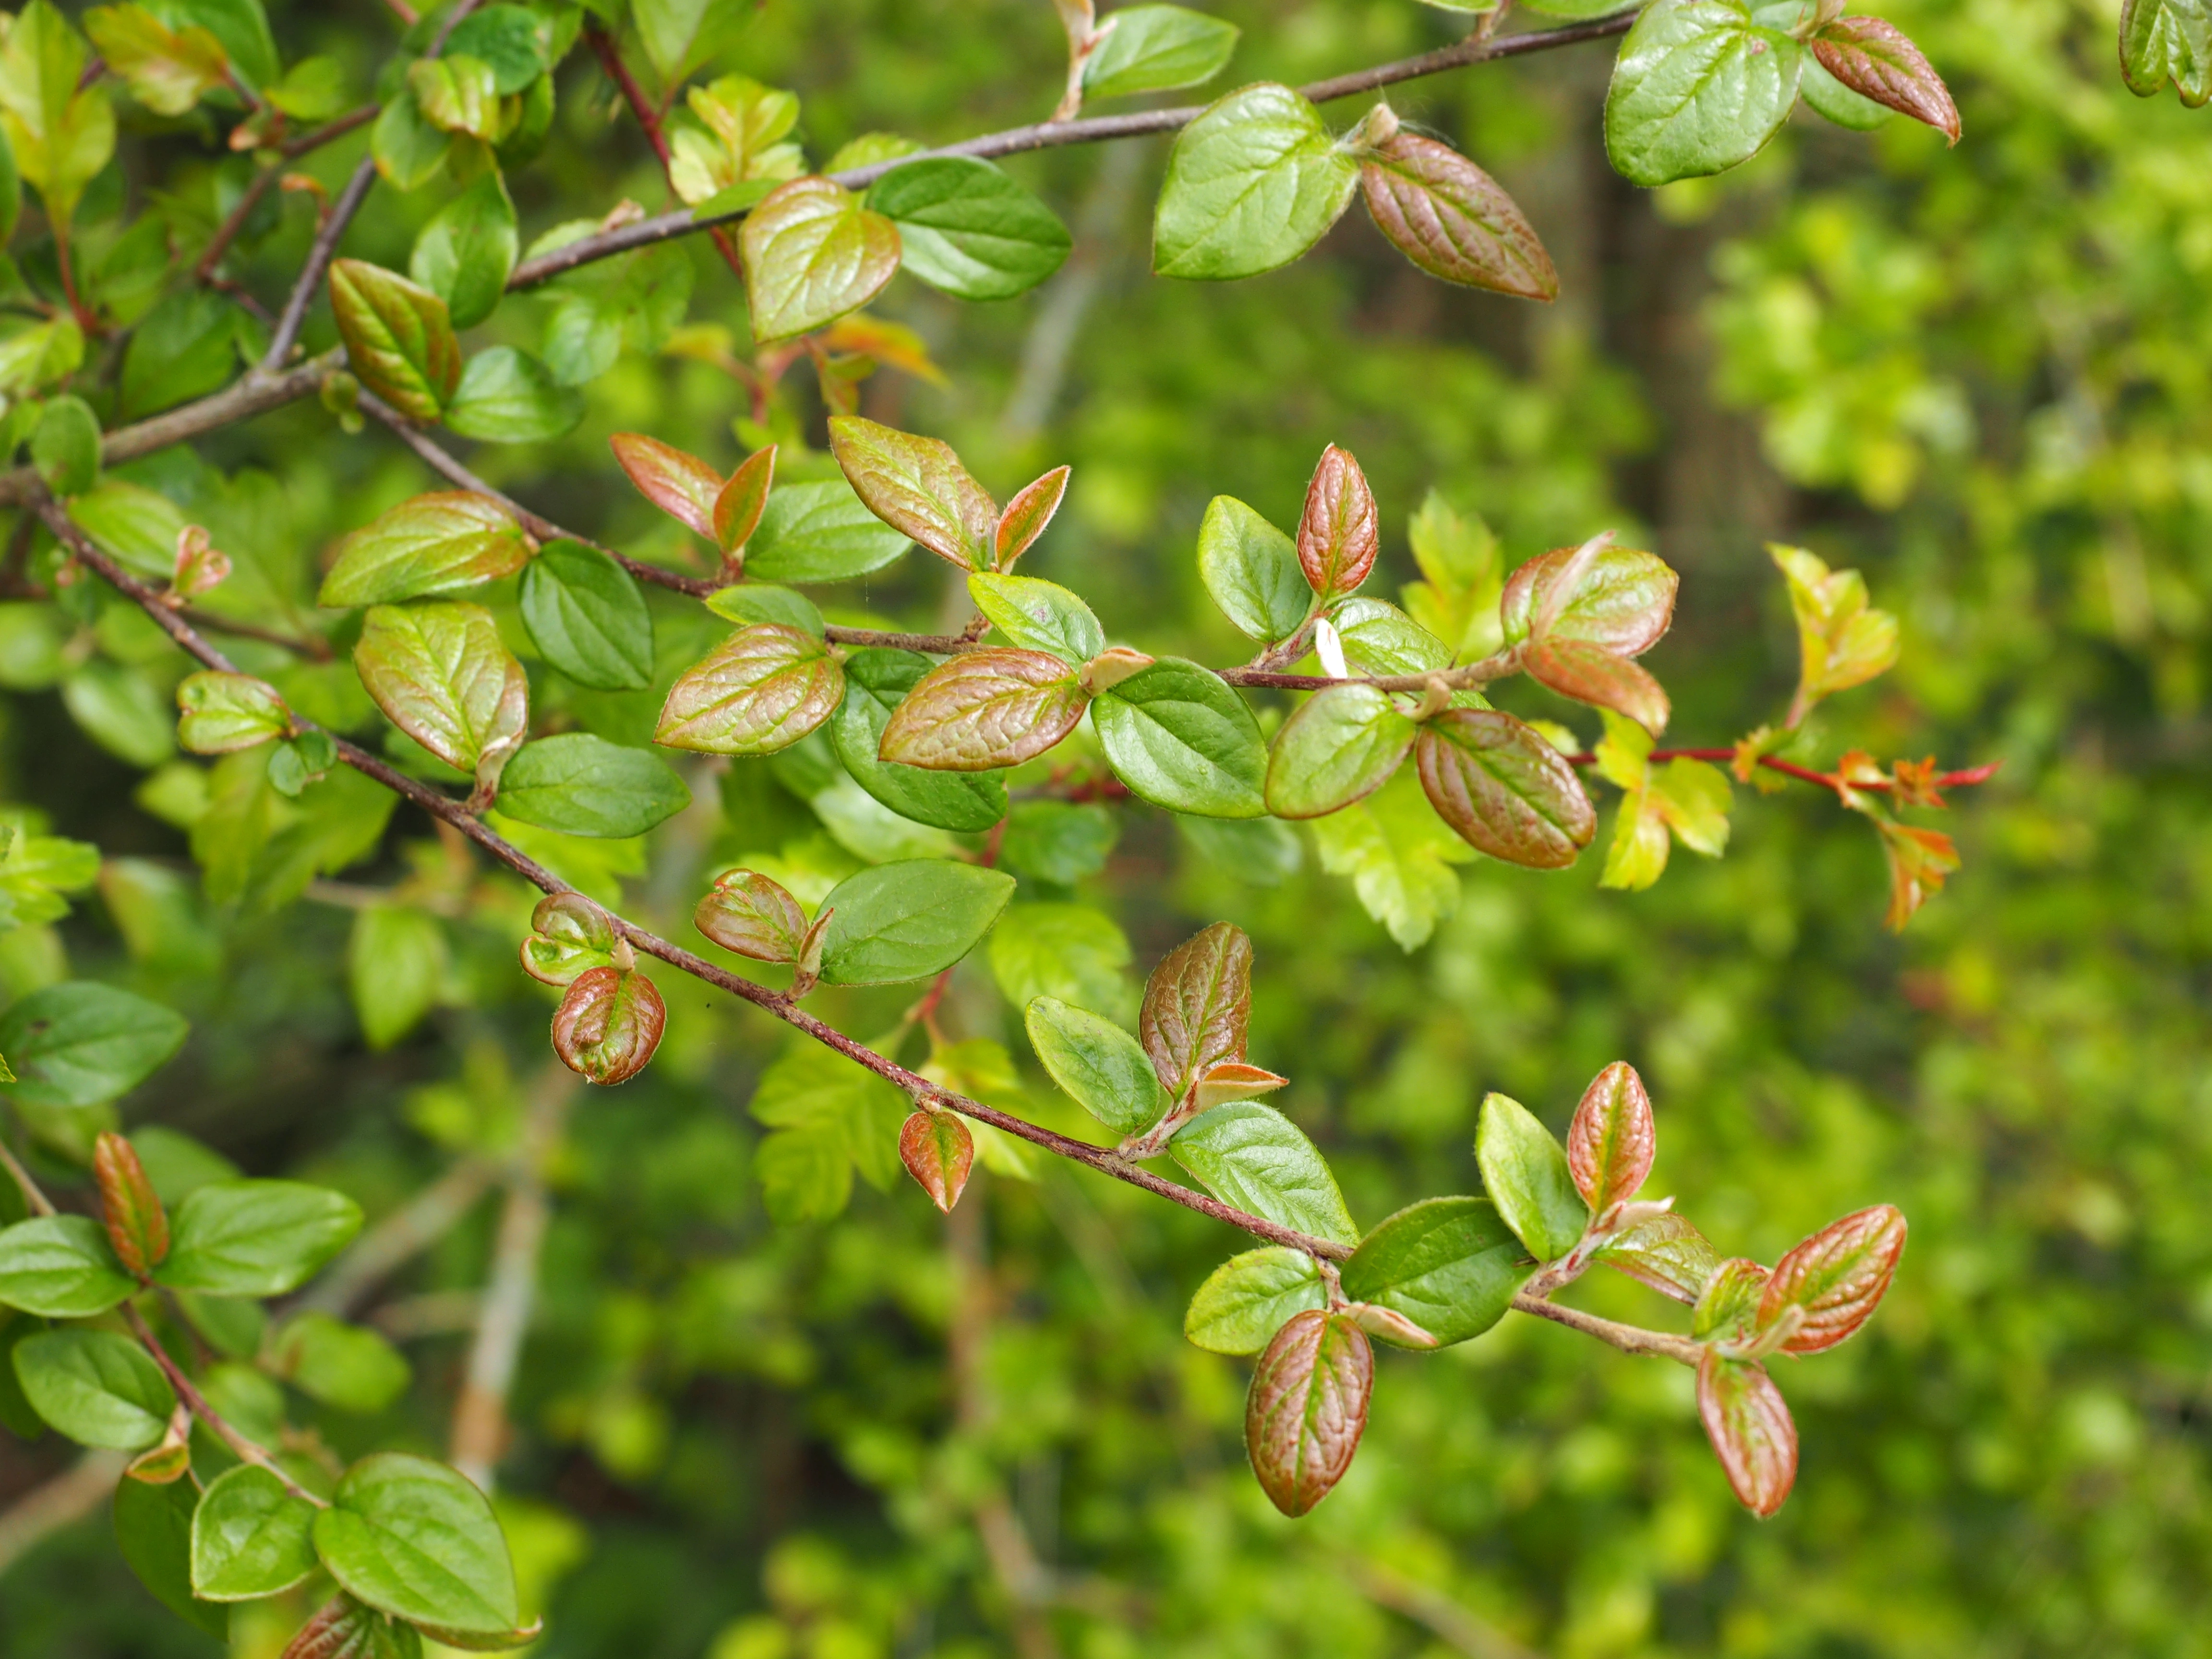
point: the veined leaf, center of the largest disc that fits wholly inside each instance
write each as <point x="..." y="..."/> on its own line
<point x="819" y="532"/>
<point x="1341" y="746"/>
<point x="1452" y="220"/>
<point x="1874" y="60"/>
<point x="1503" y="788"/>
<point x="812" y="253"/>
<point x="1617" y="598"/>
<point x="1307" y="1408"/>
<point x="1751" y="1430"/>
<point x="1611" y="1139"/>
<point x="1100" y="1064"/>
<point x="1182" y="738"/>
<point x="878" y="680"/>
<point x="1157" y="49"/>
<point x="1525" y="1174"/>
<point x="256" y="1237"/>
<point x="587" y="617"/>
<point x="441" y="674"/>
<point x="985" y="709"/>
<point x="1251" y="184"/>
<point x="909" y="920"/>
<point x="966" y="227"/>
<point x="1249" y="1297"/>
<point x="938" y="1152"/>
<point x="97" y="1388"/>
<point x="250" y="1537"/>
<point x="1197" y="1006"/>
<point x="747" y="913"/>
<point x="581" y="785"/>
<point x="608" y="1025"/>
<point x="60" y="1267"/>
<point x="1252" y="1157"/>
<point x="1450" y="1264"/>
<point x="1038" y="616"/>
<point x="1024" y="518"/>
<point x="219" y="712"/>
<point x="398" y="336"/>
<point x="1339" y="534"/>
<point x="678" y="483"/>
<point x="1834" y="1279"/>
<point x="2168" y="39"/>
<point x="918" y="487"/>
<point x="768" y="686"/>
<point x="1251" y="569"/>
<point x="1665" y="1252"/>
<point x="81" y="1043"/>
<point x="418" y="1540"/>
<point x="436" y="544"/>
<point x="1698" y="87"/>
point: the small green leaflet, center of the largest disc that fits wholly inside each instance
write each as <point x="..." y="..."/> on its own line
<point x="81" y="1043"/>
<point x="1181" y="738"/>
<point x="1251" y="571"/>
<point x="97" y="1388"/>
<point x="60" y="1267"/>
<point x="416" y="1539"/>
<point x="581" y="785"/>
<point x="878" y="680"/>
<point x="256" y="1237"/>
<point x="399" y="338"/>
<point x="343" y="1365"/>
<point x="1251" y="185"/>
<point x="441" y="674"/>
<point x="1341" y="746"/>
<point x="250" y="1538"/>
<point x="1095" y="1061"/>
<point x="587" y="617"/>
<point x="1525" y="1174"/>
<point x="1070" y="951"/>
<point x="819" y="532"/>
<point x="1039" y="616"/>
<point x="465" y="254"/>
<point x="1157" y="49"/>
<point x="1699" y="88"/>
<point x="1252" y="1157"/>
<point x="909" y="920"/>
<point x="753" y="602"/>
<point x="395" y="967"/>
<point x="812" y="253"/>
<point x="1249" y="1297"/>
<point x="1450" y="1264"/>
<point x="509" y="397"/>
<point x="966" y="227"/>
<point x="2168" y="39"/>
<point x="440" y="543"/>
<point x="219" y="712"/>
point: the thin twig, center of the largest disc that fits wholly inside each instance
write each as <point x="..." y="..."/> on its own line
<point x="246" y="1451"/>
<point x="1629" y="1339"/>
<point x="309" y="141"/>
<point x="610" y="60"/>
<point x="319" y="254"/>
<point x="1964" y="778"/>
<point x="33" y="1194"/>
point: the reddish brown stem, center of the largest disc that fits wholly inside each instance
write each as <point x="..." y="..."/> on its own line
<point x="1962" y="779"/>
<point x="604" y="48"/>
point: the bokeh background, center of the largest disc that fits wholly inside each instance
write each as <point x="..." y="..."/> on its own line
<point x="1979" y="375"/>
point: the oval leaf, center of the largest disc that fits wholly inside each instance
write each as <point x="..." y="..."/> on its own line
<point x="399" y="340"/>
<point x="1751" y="1430"/>
<point x="1197" y="1006"/>
<point x="587" y="617"/>
<point x="909" y="920"/>
<point x="767" y="687"/>
<point x="917" y="486"/>
<point x="1450" y="1264"/>
<point x="938" y="1152"/>
<point x="1249" y="1297"/>
<point x="680" y="484"/>
<point x="1252" y="1157"/>
<point x="1307" y="1408"/>
<point x="1611" y="1141"/>
<point x="81" y="1043"/>
<point x="819" y="532"/>
<point x="1252" y="184"/>
<point x="608" y="1026"/>
<point x="1524" y="1173"/>
<point x="95" y="1387"/>
<point x="60" y="1267"/>
<point x="256" y="1237"/>
<point x="1251" y="571"/>
<point x="219" y="713"/>
<point x="1835" y="1278"/>
<point x="1503" y="788"/>
<point x="1452" y="220"/>
<point x="1339" y="534"/>
<point x="984" y="709"/>
<point x="1874" y="60"/>
<point x="812" y="253"/>
<point x="580" y="785"/>
<point x="878" y="680"/>
<point x="1698" y="87"/>
<point x="1341" y="746"/>
<point x="250" y="1538"/>
<point x="1181" y="738"/>
<point x="441" y="674"/>
<point x="1100" y="1064"/>
<point x="752" y="915"/>
<point x="1665" y="1252"/>
<point x="965" y="228"/>
<point x="416" y="1540"/>
<point x="436" y="544"/>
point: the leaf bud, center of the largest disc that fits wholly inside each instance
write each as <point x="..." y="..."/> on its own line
<point x="938" y="1153"/>
<point x="1110" y="667"/>
<point x="136" y="1225"/>
<point x="608" y="1025"/>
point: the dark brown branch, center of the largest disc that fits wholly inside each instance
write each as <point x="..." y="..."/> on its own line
<point x="337" y="129"/>
<point x="1047" y="135"/>
<point x="319" y="254"/>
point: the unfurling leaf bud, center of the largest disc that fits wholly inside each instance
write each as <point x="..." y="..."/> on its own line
<point x="1834" y="1279"/>
<point x="810" y="953"/>
<point x="1611" y="1141"/>
<point x="168" y="1462"/>
<point x="136" y="1225"/>
<point x="1308" y="1407"/>
<point x="1339" y="534"/>
<point x="608" y="1025"/>
<point x="1232" y="1079"/>
<point x="1751" y="1430"/>
<point x="1389" y="1324"/>
<point x="752" y="915"/>
<point x="938" y="1152"/>
<point x="200" y="565"/>
<point x="573" y="935"/>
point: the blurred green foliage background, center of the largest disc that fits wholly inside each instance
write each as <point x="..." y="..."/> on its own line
<point x="1977" y="375"/>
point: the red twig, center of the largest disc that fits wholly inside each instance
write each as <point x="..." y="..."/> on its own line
<point x="1969" y="776"/>
<point x="604" y="48"/>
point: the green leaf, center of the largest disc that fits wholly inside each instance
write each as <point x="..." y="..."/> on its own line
<point x="1251" y="184"/>
<point x="1058" y="841"/>
<point x="256" y="1237"/>
<point x="416" y="1540"/>
<point x="804" y="1175"/>
<point x="396" y="969"/>
<point x="569" y="935"/>
<point x="736" y="151"/>
<point x="1101" y="1066"/>
<point x="765" y="688"/>
<point x="909" y="920"/>
<point x="60" y="1267"/>
<point x="39" y="355"/>
<point x="1834" y="101"/>
<point x="2163" y="38"/>
<point x="508" y="397"/>
<point x="508" y="38"/>
<point x="66" y="446"/>
<point x="60" y="131"/>
<point x="458" y="95"/>
<point x="1341" y="746"/>
<point x="81" y="1043"/>
<point x="1157" y="49"/>
<point x="813" y="1090"/>
<point x="185" y="348"/>
<point x="1307" y="1408"/>
<point x="1378" y="638"/>
<point x="441" y="674"/>
<point x="345" y="1366"/>
<point x="154" y="1529"/>
<point x="219" y="712"/>
<point x="878" y="680"/>
<point x="819" y="532"/>
<point x="918" y="486"/>
<point x="138" y="526"/>
<point x="1450" y="1264"/>
<point x="1039" y="616"/>
<point x="409" y="151"/>
<point x="1665" y="1252"/>
<point x="1525" y="1174"/>
<point x="1252" y="1157"/>
<point x="587" y="617"/>
<point x="399" y="340"/>
<point x="250" y="1538"/>
<point x="466" y="252"/>
<point x="97" y="1388"/>
<point x="1249" y="1297"/>
<point x="1699" y="88"/>
<point x="1181" y="738"/>
<point x="1505" y="789"/>
<point x="121" y="710"/>
<point x="1251" y="571"/>
<point x="812" y="253"/>
<point x="1068" y="952"/>
<point x="440" y="543"/>
<point x="965" y="228"/>
<point x="1452" y="220"/>
<point x="759" y="601"/>
<point x="1842" y="640"/>
<point x="581" y="785"/>
<point x="983" y="710"/>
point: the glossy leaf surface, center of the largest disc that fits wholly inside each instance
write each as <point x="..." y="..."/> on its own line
<point x="909" y="920"/>
<point x="766" y="687"/>
<point x="1503" y="788"/>
<point x="985" y="709"/>
<point x="812" y="253"/>
<point x="1183" y="739"/>
<point x="1308" y="1407"/>
<point x="878" y="680"/>
<point x="1525" y="1174"/>
<point x="1252" y="1157"/>
<point x="1252" y="184"/>
<point x="1249" y="1297"/>
<point x="1450" y="1264"/>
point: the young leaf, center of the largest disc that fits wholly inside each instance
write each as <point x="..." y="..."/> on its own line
<point x="60" y="130"/>
<point x="1665" y="1252"/>
<point x="256" y="1237"/>
<point x="738" y="508"/>
<point x="1233" y="1080"/>
<point x="1197" y="1006"/>
<point x="878" y="680"/>
<point x="436" y="544"/>
<point x="1525" y="1174"/>
<point x="918" y="487"/>
<point x="1060" y="841"/>
<point x="1503" y="788"/>
<point x="764" y="689"/>
<point x="1100" y="1064"/>
<point x="570" y="934"/>
<point x="60" y="1267"/>
<point x="1871" y="58"/>
<point x="1157" y="49"/>
<point x="1338" y="535"/>
<point x="608" y="1026"/>
<point x="681" y="485"/>
<point x="588" y="619"/>
<point x="250" y="1538"/>
<point x="97" y="1388"/>
<point x="1842" y="640"/>
<point x="819" y="532"/>
<point x="66" y="446"/>
<point x="168" y="69"/>
<point x="909" y="920"/>
<point x="1251" y="569"/>
<point x="1698" y="87"/>
<point x="1452" y="220"/>
<point x="219" y="712"/>
<point x="81" y="1043"/>
<point x="1027" y="514"/>
<point x="1835" y="1278"/>
<point x="763" y="602"/>
<point x="1617" y="598"/>
<point x="343" y="1365"/>
<point x="747" y="913"/>
<point x="1611" y="1141"/>
<point x="398" y="337"/>
<point x="812" y="253"/>
<point x="138" y="1226"/>
<point x="1252" y="1157"/>
<point x="1378" y="638"/>
<point x="441" y="674"/>
<point x="2160" y="39"/>
<point x="1591" y="674"/>
<point x="1249" y="1297"/>
<point x="416" y="1540"/>
<point x="1307" y="1408"/>
<point x="466" y="252"/>
<point x="1341" y="746"/>
<point x="1727" y="1307"/>
<point x="1182" y="738"/>
<point x="983" y="710"/>
<point x="967" y="228"/>
<point x="580" y="785"/>
<point x="509" y="397"/>
<point x="1252" y="184"/>
<point x="1450" y="1264"/>
<point x="1749" y="1426"/>
<point x="938" y="1152"/>
<point x="1919" y="859"/>
<point x="1038" y="616"/>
